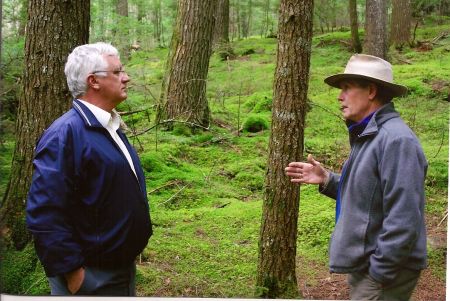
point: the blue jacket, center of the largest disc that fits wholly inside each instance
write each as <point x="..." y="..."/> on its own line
<point x="381" y="227"/>
<point x="85" y="205"/>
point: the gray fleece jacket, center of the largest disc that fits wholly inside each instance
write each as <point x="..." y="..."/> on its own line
<point x="381" y="225"/>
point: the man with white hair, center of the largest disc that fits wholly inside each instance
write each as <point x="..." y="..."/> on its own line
<point x="379" y="237"/>
<point x="87" y="207"/>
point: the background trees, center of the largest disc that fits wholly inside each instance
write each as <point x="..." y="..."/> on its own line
<point x="401" y="20"/>
<point x="353" y="14"/>
<point x="376" y="39"/>
<point x="183" y="95"/>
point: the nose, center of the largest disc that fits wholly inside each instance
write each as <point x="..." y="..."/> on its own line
<point x="341" y="96"/>
<point x="125" y="77"/>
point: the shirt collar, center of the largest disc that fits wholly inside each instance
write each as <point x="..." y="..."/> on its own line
<point x="106" y="119"/>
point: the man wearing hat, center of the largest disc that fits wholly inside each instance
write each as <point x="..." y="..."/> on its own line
<point x="379" y="238"/>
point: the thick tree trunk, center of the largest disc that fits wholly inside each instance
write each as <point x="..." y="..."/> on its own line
<point x="400" y="23"/>
<point x="184" y="88"/>
<point x="376" y="41"/>
<point x="222" y="24"/>
<point x="356" y="43"/>
<point x="45" y="96"/>
<point x="278" y="242"/>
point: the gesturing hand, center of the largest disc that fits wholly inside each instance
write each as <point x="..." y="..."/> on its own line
<point x="310" y="172"/>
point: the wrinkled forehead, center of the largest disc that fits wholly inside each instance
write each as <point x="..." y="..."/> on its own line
<point x="113" y="61"/>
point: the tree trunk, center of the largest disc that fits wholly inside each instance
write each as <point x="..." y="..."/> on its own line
<point x="356" y="43"/>
<point x="246" y="18"/>
<point x="1" y="45"/>
<point x="400" y="23"/>
<point x="376" y="41"/>
<point x="124" y="32"/>
<point x="22" y="17"/>
<point x="157" y="21"/>
<point x="222" y="25"/>
<point x="278" y="236"/>
<point x="238" y="19"/>
<point x="265" y="30"/>
<point x="45" y="96"/>
<point x="184" y="88"/>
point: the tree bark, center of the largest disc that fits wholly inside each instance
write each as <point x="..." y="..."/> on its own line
<point x="278" y="235"/>
<point x="45" y="96"/>
<point x="400" y="23"/>
<point x="183" y="94"/>
<point x="222" y="25"/>
<point x="124" y="32"/>
<point x="376" y="41"/>
<point x="356" y="43"/>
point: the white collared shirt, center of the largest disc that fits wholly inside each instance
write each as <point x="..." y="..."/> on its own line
<point x="111" y="122"/>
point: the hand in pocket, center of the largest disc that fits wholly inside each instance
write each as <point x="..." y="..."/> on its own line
<point x="74" y="280"/>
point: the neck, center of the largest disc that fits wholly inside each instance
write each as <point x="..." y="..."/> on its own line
<point x="102" y="104"/>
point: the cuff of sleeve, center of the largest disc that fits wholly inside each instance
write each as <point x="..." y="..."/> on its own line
<point x="324" y="185"/>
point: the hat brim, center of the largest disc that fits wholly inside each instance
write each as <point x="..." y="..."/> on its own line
<point x="396" y="90"/>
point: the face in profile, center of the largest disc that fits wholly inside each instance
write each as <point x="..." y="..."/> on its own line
<point x="113" y="86"/>
<point x="355" y="103"/>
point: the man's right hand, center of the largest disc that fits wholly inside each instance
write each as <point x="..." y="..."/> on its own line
<point x="74" y="280"/>
<point x="310" y="172"/>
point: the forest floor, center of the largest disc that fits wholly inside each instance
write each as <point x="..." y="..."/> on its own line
<point x="327" y="286"/>
<point x="334" y="287"/>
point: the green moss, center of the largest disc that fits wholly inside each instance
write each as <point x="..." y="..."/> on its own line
<point x="255" y="123"/>
<point x="21" y="273"/>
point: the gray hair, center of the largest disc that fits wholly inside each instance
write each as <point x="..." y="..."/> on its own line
<point x="84" y="60"/>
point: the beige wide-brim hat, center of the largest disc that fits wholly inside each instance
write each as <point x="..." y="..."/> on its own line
<point x="369" y="67"/>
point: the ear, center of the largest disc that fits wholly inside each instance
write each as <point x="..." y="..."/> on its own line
<point x="373" y="89"/>
<point x="93" y="82"/>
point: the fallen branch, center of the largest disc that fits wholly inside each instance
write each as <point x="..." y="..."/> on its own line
<point x="170" y="121"/>
<point x="404" y="61"/>
<point x="441" y="36"/>
<point x="173" y="196"/>
<point x="223" y="205"/>
<point x="163" y="186"/>
<point x="132" y="112"/>
<point x="326" y="110"/>
<point x="443" y="219"/>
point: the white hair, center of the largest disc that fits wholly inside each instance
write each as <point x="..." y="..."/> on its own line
<point x="84" y="60"/>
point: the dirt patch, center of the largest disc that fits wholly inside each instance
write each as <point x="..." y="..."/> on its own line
<point x="325" y="286"/>
<point x="429" y="288"/>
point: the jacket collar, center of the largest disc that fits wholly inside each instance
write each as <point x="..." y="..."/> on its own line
<point x="86" y="114"/>
<point x="383" y="114"/>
